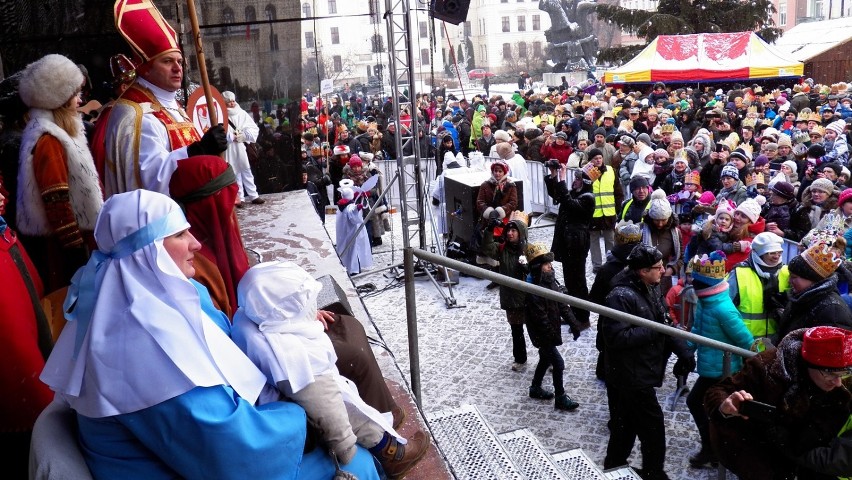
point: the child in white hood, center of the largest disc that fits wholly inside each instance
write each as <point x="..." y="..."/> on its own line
<point x="277" y="327"/>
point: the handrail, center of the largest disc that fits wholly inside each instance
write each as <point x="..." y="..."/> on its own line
<point x="411" y="309"/>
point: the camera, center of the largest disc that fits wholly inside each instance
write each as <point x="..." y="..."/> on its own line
<point x="553" y="164"/>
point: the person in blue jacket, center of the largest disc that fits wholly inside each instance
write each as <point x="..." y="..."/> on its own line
<point x="717" y="318"/>
<point x="147" y="363"/>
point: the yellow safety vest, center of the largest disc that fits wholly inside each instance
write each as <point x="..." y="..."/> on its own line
<point x="751" y="300"/>
<point x="604" y="191"/>
<point x="627" y="207"/>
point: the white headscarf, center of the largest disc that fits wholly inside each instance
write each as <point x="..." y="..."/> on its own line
<point x="137" y="335"/>
<point x="281" y="299"/>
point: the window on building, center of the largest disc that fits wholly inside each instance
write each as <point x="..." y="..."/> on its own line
<point x="537" y="49"/>
<point x="377" y="43"/>
<point x="306" y="10"/>
<point x="522" y="50"/>
<point x="424" y="29"/>
<point x="251" y="14"/>
<point x="482" y="26"/>
<point x="338" y="63"/>
<point x="536" y="22"/>
<point x="467" y="29"/>
<point x="483" y="54"/>
<point x="507" y="51"/>
<point x="309" y="40"/>
<point x="332" y="6"/>
<point x="270" y="12"/>
<point x="227" y="15"/>
<point x="522" y="23"/>
<point x="374" y="11"/>
<point x="782" y="13"/>
<point x="504" y="1"/>
<point x="815" y="7"/>
<point x="505" y="22"/>
<point x="335" y="35"/>
<point x="225" y="76"/>
<point x="424" y="56"/>
<point x="217" y="49"/>
<point x="273" y="42"/>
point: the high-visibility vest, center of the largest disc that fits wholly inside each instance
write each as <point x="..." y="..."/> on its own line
<point x="627" y="207"/>
<point x="751" y="305"/>
<point x="604" y="191"/>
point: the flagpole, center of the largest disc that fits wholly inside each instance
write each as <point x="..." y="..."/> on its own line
<point x="202" y="64"/>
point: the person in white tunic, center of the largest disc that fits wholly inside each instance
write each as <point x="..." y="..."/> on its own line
<point x="349" y="217"/>
<point x="276" y="326"/>
<point x="243" y="130"/>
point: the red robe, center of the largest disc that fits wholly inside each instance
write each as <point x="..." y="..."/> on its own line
<point x="212" y="218"/>
<point x="24" y="396"/>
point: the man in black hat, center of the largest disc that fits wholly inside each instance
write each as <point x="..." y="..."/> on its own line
<point x="635" y="360"/>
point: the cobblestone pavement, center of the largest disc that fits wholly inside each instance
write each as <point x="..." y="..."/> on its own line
<point x="465" y="358"/>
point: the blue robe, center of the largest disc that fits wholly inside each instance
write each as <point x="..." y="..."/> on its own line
<point x="209" y="433"/>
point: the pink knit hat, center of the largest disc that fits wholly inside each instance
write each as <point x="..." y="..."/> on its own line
<point x="707" y="198"/>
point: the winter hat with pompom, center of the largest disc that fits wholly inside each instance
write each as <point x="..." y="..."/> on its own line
<point x="660" y="208"/>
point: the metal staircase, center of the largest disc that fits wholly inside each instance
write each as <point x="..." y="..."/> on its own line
<point x="474" y="451"/>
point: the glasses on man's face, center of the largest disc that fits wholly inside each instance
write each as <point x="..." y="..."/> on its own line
<point x="842" y="375"/>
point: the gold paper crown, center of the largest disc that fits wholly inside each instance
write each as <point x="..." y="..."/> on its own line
<point x="752" y="109"/>
<point x="814" y="117"/>
<point x="826" y="235"/>
<point x="591" y="171"/>
<point x="519" y="216"/>
<point x="627" y="232"/>
<point x="707" y="267"/>
<point x="767" y="121"/>
<point x="818" y="129"/>
<point x="749" y="123"/>
<point x="731" y="141"/>
<point x="802" y="117"/>
<point x="668" y="128"/>
<point x="755" y="178"/>
<point x="693" y="178"/>
<point x="535" y="250"/>
<point x="822" y="259"/>
<point x="652" y="111"/>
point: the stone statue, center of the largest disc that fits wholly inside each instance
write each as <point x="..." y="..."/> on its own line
<point x="571" y="41"/>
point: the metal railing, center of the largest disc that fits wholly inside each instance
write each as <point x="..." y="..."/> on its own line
<point x="411" y="316"/>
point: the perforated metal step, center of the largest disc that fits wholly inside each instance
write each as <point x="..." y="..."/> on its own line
<point x="529" y="455"/>
<point x="471" y="446"/>
<point x="576" y="465"/>
<point x="624" y="473"/>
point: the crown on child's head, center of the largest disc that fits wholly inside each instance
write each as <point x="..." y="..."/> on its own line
<point x="693" y="178"/>
<point x="627" y="232"/>
<point x="709" y="269"/>
<point x="668" y="128"/>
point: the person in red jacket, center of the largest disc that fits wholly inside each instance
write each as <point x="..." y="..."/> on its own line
<point x="26" y="343"/>
<point x="556" y="146"/>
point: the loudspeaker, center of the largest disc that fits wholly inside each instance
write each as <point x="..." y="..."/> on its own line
<point x="332" y="297"/>
<point x="453" y="11"/>
<point x="460" y="192"/>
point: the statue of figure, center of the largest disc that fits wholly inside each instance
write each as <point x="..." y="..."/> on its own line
<point x="571" y="38"/>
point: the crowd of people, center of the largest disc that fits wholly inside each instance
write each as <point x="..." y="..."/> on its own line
<point x="687" y="202"/>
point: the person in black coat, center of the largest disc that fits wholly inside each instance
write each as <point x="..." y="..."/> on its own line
<point x="571" y="234"/>
<point x="627" y="236"/>
<point x="544" y="319"/>
<point x="635" y="359"/>
<point x="814" y="300"/>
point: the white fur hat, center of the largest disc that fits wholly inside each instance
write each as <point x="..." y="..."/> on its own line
<point x="229" y="96"/>
<point x="502" y="136"/>
<point x="50" y="82"/>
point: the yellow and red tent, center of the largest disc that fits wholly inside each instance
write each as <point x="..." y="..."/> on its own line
<point x="705" y="57"/>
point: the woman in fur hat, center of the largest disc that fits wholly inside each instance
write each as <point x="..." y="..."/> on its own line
<point x="497" y="199"/>
<point x="59" y="195"/>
